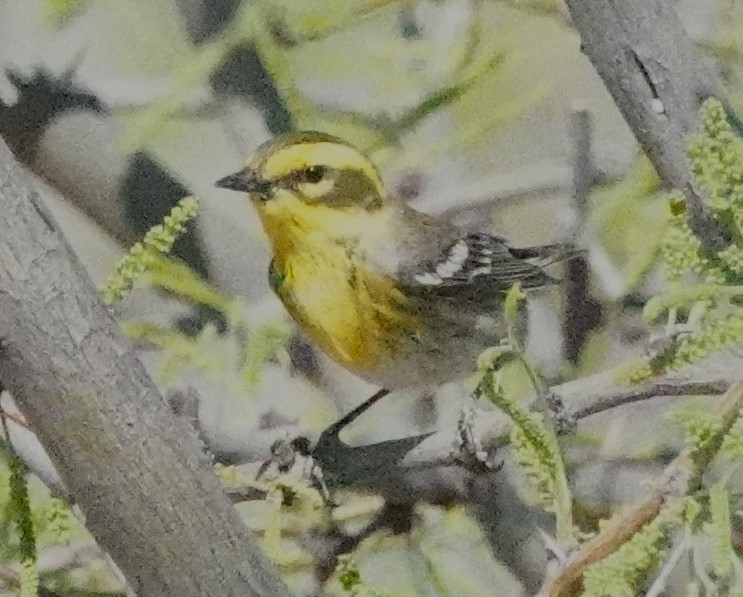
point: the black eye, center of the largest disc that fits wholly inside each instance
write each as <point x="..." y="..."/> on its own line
<point x="314" y="173"/>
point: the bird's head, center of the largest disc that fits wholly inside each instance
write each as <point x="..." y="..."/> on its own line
<point x="309" y="180"/>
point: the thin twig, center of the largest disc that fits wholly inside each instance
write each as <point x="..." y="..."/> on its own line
<point x="679" y="551"/>
<point x="580" y="315"/>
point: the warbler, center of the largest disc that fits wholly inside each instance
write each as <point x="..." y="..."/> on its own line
<point x="396" y="296"/>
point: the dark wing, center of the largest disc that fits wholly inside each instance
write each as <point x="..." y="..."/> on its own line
<point x="482" y="265"/>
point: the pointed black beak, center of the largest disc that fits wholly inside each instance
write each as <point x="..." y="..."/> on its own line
<point x="245" y="181"/>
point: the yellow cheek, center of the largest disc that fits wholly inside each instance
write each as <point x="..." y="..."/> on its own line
<point x="282" y="203"/>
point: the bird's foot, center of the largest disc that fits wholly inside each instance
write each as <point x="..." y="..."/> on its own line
<point x="294" y="458"/>
<point x="467" y="450"/>
<point x="563" y="421"/>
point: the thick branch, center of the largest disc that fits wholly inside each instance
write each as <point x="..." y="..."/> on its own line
<point x="137" y="472"/>
<point x="657" y="79"/>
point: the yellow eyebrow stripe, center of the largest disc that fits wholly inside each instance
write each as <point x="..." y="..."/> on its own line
<point x="335" y="155"/>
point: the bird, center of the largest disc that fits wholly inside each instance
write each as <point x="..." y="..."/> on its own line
<point x="396" y="296"/>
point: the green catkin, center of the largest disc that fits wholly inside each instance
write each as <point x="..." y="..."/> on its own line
<point x="158" y="241"/>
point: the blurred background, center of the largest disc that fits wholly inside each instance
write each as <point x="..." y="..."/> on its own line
<point x="484" y="110"/>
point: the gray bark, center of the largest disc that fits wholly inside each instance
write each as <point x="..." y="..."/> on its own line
<point x="658" y="80"/>
<point x="137" y="472"/>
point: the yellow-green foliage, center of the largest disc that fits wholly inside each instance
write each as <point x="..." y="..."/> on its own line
<point x="705" y="284"/>
<point x="158" y="241"/>
<point x="265" y="342"/>
<point x="20" y="508"/>
<point x="283" y="498"/>
<point x="202" y="352"/>
<point x="182" y="281"/>
<point x="209" y="352"/>
<point x="58" y="11"/>
<point x="727" y="566"/>
<point x="290" y="507"/>
<point x="57" y="517"/>
<point x="681" y="250"/>
<point x="621" y="573"/>
<point x="633" y="372"/>
<point x="29" y="520"/>
<point x="534" y="443"/>
<point x="213" y="354"/>
<point x="703" y="313"/>
<point x="700" y="427"/>
<point x="716" y="158"/>
<point x="534" y="448"/>
<point x="718" y="331"/>
<point x="350" y="579"/>
<point x="732" y="445"/>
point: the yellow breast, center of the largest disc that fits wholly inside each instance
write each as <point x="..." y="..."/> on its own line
<point x="357" y="317"/>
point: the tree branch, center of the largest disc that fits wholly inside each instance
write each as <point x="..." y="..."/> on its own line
<point x="387" y="466"/>
<point x="580" y="399"/>
<point x="658" y="80"/>
<point x="581" y="314"/>
<point x="136" y="471"/>
<point x="681" y="477"/>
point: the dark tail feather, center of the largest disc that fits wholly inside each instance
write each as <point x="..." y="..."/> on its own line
<point x="542" y="257"/>
<point x="548" y="254"/>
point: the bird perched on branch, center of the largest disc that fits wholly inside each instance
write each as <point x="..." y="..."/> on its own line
<point x="398" y="297"/>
